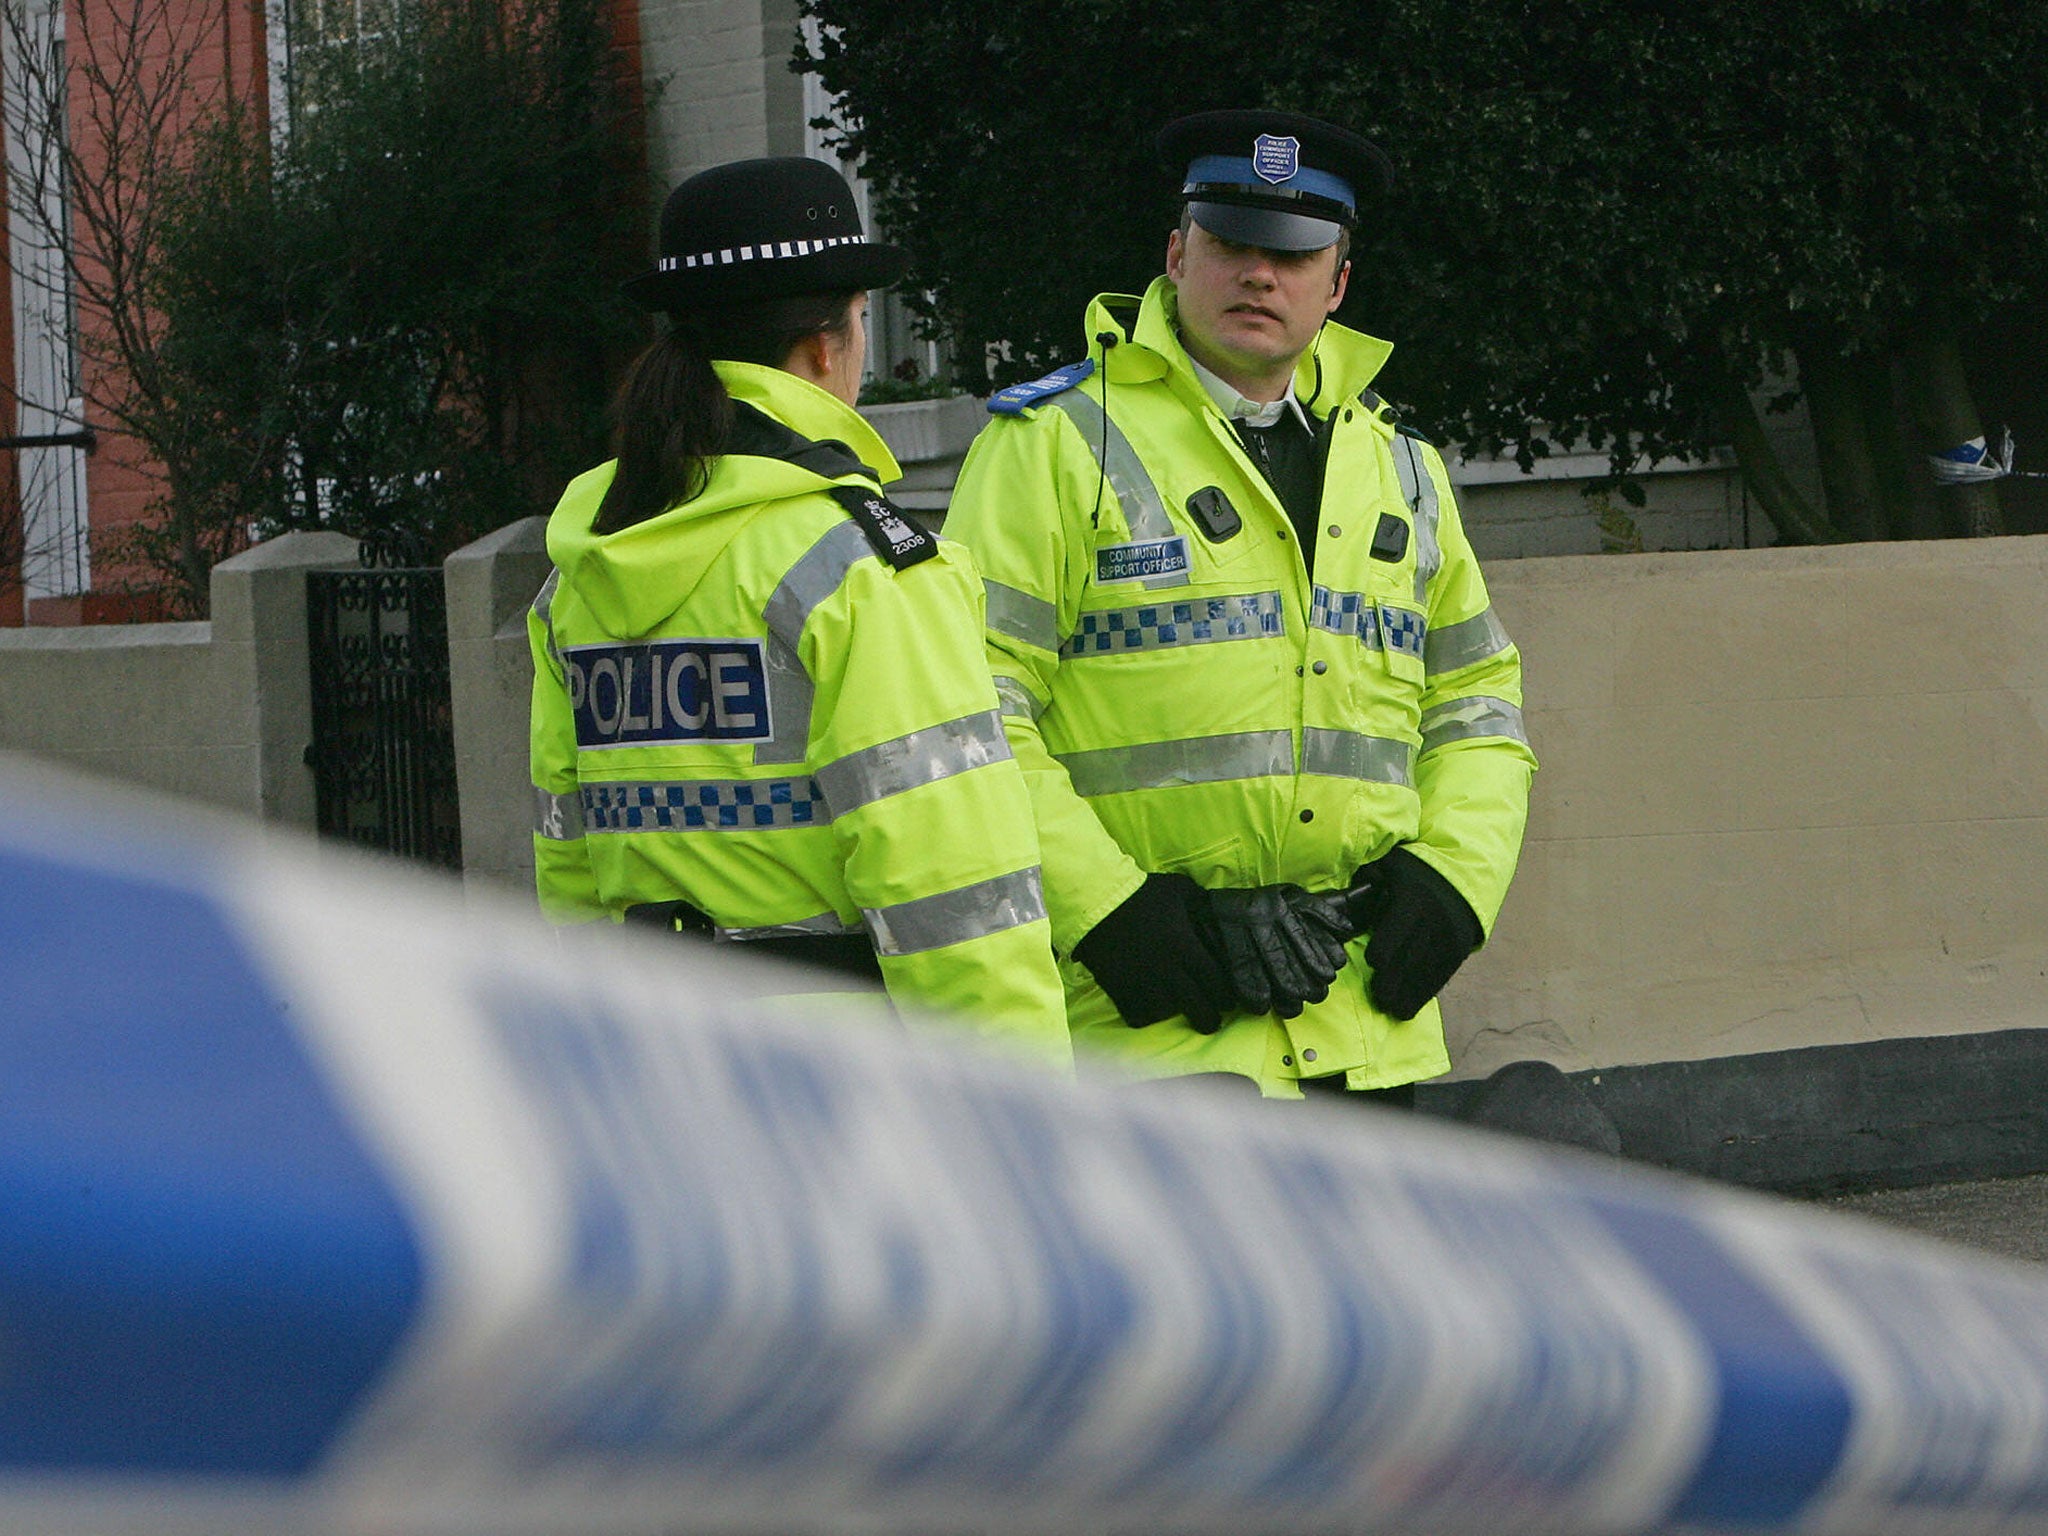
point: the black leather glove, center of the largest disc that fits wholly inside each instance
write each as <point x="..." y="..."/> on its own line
<point x="1284" y="945"/>
<point x="1150" y="956"/>
<point x="1421" y="928"/>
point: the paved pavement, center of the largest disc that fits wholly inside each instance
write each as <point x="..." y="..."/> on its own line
<point x="2005" y="1216"/>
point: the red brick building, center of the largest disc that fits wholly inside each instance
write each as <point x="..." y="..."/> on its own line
<point x="92" y="86"/>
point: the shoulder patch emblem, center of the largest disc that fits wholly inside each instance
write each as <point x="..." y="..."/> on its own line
<point x="887" y="528"/>
<point x="1391" y="415"/>
<point x="1012" y="401"/>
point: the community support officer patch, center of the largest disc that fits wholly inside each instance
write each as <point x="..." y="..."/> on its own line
<point x="889" y="532"/>
<point x="668" y="691"/>
<point x="1137" y="562"/>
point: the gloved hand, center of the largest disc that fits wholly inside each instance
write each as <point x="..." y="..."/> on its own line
<point x="1421" y="928"/>
<point x="1284" y="945"/>
<point x="1150" y="956"/>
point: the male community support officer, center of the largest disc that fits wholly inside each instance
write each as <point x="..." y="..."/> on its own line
<point x="1242" y="643"/>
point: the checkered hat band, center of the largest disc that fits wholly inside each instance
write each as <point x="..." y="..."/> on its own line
<point x="781" y="250"/>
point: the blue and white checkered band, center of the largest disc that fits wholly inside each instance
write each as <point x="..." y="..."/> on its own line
<point x="1274" y="158"/>
<point x="1237" y="171"/>
<point x="668" y="691"/>
<point x="776" y="251"/>
<point x="1199" y="621"/>
<point x="1404" y="631"/>
<point x="1376" y="628"/>
<point x="1345" y="613"/>
<point x="717" y="805"/>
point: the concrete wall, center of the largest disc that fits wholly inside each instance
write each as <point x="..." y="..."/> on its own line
<point x="719" y="84"/>
<point x="217" y="711"/>
<point x="1511" y="517"/>
<point x="491" y="584"/>
<point x="1788" y="798"/>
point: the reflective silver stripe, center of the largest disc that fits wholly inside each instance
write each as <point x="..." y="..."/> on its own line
<point x="1194" y="760"/>
<point x="825" y="924"/>
<point x="814" y="577"/>
<point x="921" y="757"/>
<point x="1349" y="755"/>
<point x="544" y="610"/>
<point x="1121" y="467"/>
<point x="1193" y="621"/>
<point x="1466" y="643"/>
<point x="1022" y="616"/>
<point x="953" y="917"/>
<point x="558" y="818"/>
<point x="1016" y="699"/>
<point x="1418" y="488"/>
<point x="704" y="805"/>
<point x="1462" y="719"/>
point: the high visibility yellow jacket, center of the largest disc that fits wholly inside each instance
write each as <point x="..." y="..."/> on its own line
<point x="1184" y="702"/>
<point x="739" y="703"/>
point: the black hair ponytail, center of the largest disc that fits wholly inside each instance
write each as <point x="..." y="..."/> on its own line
<point x="672" y="416"/>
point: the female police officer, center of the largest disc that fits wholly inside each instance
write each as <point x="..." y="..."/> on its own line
<point x="760" y="704"/>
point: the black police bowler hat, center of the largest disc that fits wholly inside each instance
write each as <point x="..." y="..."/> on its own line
<point x="762" y="229"/>
<point x="1277" y="180"/>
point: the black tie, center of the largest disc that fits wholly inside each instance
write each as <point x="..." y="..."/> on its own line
<point x="1287" y="457"/>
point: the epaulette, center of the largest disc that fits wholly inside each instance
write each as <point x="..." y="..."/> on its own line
<point x="1012" y="401"/>
<point x="886" y="526"/>
<point x="1391" y="415"/>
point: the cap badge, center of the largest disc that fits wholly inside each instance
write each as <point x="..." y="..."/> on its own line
<point x="1275" y="158"/>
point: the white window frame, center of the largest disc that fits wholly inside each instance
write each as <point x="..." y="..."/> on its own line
<point x="280" y="50"/>
<point x="888" y="318"/>
<point x="56" y="550"/>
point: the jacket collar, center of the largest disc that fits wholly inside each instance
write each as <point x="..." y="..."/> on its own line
<point x="808" y="412"/>
<point x="791" y="439"/>
<point x="1149" y="348"/>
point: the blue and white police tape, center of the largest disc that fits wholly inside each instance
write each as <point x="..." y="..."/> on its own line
<point x="326" y="1206"/>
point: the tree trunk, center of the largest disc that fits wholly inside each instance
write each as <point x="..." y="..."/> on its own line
<point x="1909" y="512"/>
<point x="1947" y="416"/>
<point x="191" y="569"/>
<point x="1848" y="472"/>
<point x="1795" y="519"/>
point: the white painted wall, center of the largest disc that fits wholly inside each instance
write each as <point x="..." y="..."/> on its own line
<point x="1788" y="797"/>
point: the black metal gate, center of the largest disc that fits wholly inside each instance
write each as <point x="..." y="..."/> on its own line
<point x="383" y="751"/>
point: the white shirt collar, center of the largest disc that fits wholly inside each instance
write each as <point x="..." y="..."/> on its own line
<point x="1254" y="413"/>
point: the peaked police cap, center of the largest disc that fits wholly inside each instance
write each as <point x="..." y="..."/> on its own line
<point x="762" y="229"/>
<point x="1277" y="180"/>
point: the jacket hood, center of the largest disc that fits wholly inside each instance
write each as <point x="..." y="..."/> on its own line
<point x="790" y="439"/>
<point x="1149" y="347"/>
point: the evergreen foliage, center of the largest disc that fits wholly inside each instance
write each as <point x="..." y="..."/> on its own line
<point x="394" y="320"/>
<point x="1614" y="220"/>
